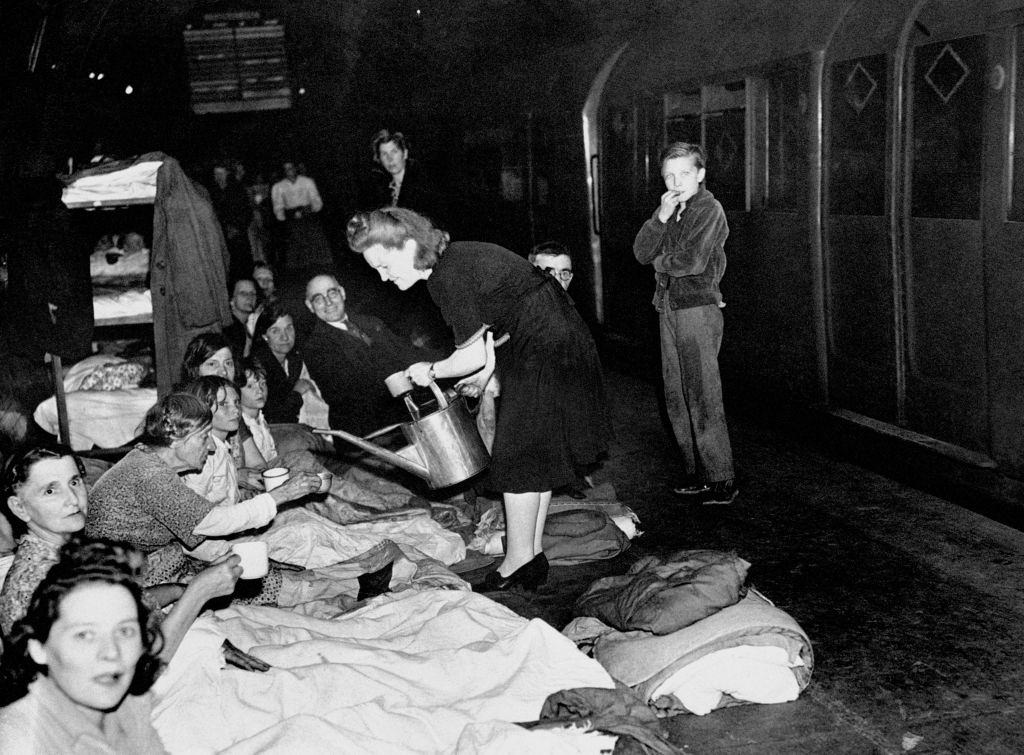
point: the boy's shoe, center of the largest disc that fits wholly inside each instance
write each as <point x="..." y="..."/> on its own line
<point x="691" y="490"/>
<point x="720" y="493"/>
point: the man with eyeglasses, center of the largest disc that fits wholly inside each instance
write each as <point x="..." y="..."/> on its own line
<point x="554" y="259"/>
<point x="243" y="304"/>
<point x="349" y="355"/>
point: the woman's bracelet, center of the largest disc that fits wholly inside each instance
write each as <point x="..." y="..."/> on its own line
<point x="430" y="373"/>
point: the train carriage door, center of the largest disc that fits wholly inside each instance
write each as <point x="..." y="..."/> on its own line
<point x="1004" y="208"/>
<point x="862" y="346"/>
<point x="944" y="293"/>
<point x="627" y="160"/>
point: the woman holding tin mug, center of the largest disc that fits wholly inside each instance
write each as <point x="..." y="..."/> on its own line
<point x="552" y="414"/>
<point x="143" y="501"/>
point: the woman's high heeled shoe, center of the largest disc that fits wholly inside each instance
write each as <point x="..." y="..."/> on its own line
<point x="529" y="576"/>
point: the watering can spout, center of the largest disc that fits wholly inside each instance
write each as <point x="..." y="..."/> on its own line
<point x="399" y="460"/>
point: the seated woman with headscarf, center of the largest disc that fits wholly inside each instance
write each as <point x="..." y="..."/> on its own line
<point x="143" y="501"/>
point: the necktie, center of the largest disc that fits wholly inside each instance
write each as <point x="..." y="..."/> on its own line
<point x="358" y="333"/>
<point x="395" y="188"/>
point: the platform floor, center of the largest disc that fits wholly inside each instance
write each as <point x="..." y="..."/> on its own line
<point x="913" y="604"/>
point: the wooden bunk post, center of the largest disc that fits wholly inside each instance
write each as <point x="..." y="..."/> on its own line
<point x="63" y="431"/>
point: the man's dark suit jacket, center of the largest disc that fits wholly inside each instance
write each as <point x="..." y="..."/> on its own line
<point x="350" y="373"/>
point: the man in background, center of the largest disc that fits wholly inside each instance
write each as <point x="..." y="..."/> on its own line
<point x="297" y="203"/>
<point x="349" y="355"/>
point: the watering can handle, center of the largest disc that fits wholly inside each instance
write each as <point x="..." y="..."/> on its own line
<point x="442" y="400"/>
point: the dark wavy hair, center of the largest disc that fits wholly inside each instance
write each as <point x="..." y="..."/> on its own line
<point x="82" y="561"/>
<point x="249" y="367"/>
<point x="383" y="137"/>
<point x="271" y="313"/>
<point x="391" y="227"/>
<point x="207" y="387"/>
<point x="199" y="349"/>
<point x="18" y="467"/>
<point x="173" y="417"/>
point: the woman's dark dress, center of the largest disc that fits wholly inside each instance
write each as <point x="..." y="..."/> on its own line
<point x="552" y="414"/>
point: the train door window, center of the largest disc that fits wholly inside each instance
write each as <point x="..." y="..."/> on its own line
<point x="725" y="141"/>
<point x="682" y="117"/>
<point x="949" y="91"/>
<point x="787" y="141"/>
<point x="857" y="137"/>
<point x="682" y="124"/>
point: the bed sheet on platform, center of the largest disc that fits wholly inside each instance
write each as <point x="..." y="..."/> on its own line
<point x="411" y="673"/>
<point x="109" y="304"/>
<point x="104" y="419"/>
<point x="136" y="182"/>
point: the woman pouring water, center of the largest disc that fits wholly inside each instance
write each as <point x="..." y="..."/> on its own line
<point x="552" y="416"/>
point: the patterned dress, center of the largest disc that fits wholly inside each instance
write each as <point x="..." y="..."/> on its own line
<point x="142" y="501"/>
<point x="32" y="561"/>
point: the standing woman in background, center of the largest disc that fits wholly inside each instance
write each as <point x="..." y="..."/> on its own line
<point x="399" y="180"/>
<point x="552" y="416"/>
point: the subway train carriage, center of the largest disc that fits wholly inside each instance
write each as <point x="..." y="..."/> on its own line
<point x="865" y="155"/>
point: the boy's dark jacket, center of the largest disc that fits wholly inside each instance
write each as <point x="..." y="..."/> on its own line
<point x="687" y="252"/>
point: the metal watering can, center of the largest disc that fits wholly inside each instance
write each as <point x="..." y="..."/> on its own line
<point x="444" y="446"/>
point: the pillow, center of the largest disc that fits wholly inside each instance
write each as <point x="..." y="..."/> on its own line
<point x="114" y="376"/>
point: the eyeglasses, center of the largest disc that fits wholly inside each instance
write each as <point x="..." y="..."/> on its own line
<point x="565" y="275"/>
<point x="333" y="294"/>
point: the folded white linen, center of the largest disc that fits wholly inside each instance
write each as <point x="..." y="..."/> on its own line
<point x="131" y="302"/>
<point x="137" y="181"/>
<point x="408" y="673"/>
<point x="755" y="674"/>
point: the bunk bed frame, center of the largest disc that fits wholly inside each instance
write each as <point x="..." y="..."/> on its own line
<point x="193" y="231"/>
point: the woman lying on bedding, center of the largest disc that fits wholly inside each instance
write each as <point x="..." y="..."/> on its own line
<point x="142" y="500"/>
<point x="80" y="663"/>
<point x="44" y="492"/>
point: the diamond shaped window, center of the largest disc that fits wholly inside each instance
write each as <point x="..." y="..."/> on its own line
<point x="947" y="73"/>
<point x="860" y="85"/>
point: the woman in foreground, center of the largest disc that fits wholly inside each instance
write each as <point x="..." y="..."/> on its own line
<point x="77" y="668"/>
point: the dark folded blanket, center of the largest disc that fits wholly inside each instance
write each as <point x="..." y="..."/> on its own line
<point x="664" y="595"/>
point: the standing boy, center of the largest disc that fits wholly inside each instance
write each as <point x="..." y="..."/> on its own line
<point x="684" y="242"/>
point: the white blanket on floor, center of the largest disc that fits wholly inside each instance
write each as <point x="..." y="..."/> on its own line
<point x="410" y="673"/>
<point x="301" y="537"/>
